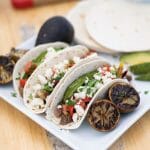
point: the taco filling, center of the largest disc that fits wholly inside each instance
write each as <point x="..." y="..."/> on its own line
<point x="32" y="65"/>
<point x="47" y="82"/>
<point x="80" y="93"/>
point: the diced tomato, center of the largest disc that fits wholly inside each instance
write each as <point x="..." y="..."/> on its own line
<point x="22" y="82"/>
<point x="82" y="104"/>
<point x="89" y="53"/>
<point x="68" y="109"/>
<point x="28" y="66"/>
<point x="87" y="99"/>
<point x="107" y="67"/>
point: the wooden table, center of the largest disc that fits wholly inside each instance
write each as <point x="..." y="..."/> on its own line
<point x="17" y="132"/>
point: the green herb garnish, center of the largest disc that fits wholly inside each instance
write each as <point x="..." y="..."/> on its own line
<point x="47" y="88"/>
<point x="59" y="76"/>
<point x="25" y="76"/>
<point x="146" y="92"/>
<point x="91" y="82"/>
<point x="19" y="76"/>
<point x="70" y="102"/>
<point x="89" y="90"/>
<point x="13" y="94"/>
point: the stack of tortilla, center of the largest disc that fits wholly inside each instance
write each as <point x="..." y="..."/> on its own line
<point x="112" y="26"/>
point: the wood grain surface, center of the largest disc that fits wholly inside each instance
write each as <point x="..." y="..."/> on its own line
<point x="17" y="132"/>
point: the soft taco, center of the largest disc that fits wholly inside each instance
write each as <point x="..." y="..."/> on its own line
<point x="72" y="100"/>
<point x="31" y="60"/>
<point x="46" y="79"/>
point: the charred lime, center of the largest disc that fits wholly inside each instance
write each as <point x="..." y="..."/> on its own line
<point x="6" y="69"/>
<point x="16" y="54"/>
<point x="124" y="96"/>
<point x="103" y="115"/>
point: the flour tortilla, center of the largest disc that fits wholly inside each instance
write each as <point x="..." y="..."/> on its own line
<point x="77" y="17"/>
<point x="29" y="56"/>
<point x="120" y="25"/>
<point x="88" y="67"/>
<point x="67" y="54"/>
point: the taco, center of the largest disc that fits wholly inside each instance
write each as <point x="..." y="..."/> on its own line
<point x="72" y="100"/>
<point x="46" y="79"/>
<point x="31" y="60"/>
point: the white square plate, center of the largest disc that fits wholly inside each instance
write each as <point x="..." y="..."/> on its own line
<point x="85" y="137"/>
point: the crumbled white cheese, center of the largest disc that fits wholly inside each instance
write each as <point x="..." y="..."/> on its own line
<point x="105" y="79"/>
<point x="98" y="85"/>
<point x="60" y="67"/>
<point x="37" y="87"/>
<point x="97" y="77"/>
<point x="59" y="106"/>
<point x="76" y="59"/>
<point x="113" y="76"/>
<point x="75" y="117"/>
<point x="36" y="102"/>
<point x="99" y="69"/>
<point x="50" y="52"/>
<point x="42" y="79"/>
<point x="80" y="95"/>
<point x="65" y="62"/>
<point x="79" y="110"/>
<point x="86" y="80"/>
<point x="108" y="74"/>
<point x="93" y="55"/>
<point x="48" y="73"/>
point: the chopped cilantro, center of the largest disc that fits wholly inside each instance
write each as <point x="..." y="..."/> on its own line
<point x="91" y="82"/>
<point x="13" y="94"/>
<point x="59" y="76"/>
<point x="70" y="102"/>
<point x="146" y="92"/>
<point x="47" y="88"/>
<point x="17" y="78"/>
<point x="25" y="76"/>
